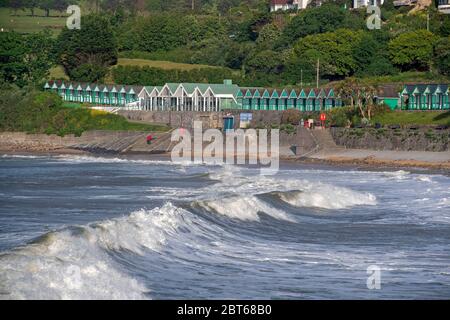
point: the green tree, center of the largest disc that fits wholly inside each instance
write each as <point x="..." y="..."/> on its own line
<point x="442" y="56"/>
<point x="268" y="35"/>
<point x="89" y="73"/>
<point x="16" y="5"/>
<point x="32" y="5"/>
<point x="93" y="45"/>
<point x="412" y="50"/>
<point x="444" y="28"/>
<point x="25" y="59"/>
<point x="60" y="5"/>
<point x="371" y="56"/>
<point x="360" y="94"/>
<point x="12" y="58"/>
<point x="333" y="49"/>
<point x="326" y="18"/>
<point x="46" y="5"/>
<point x="237" y="53"/>
<point x="266" y="61"/>
<point x="299" y="71"/>
<point x="39" y="56"/>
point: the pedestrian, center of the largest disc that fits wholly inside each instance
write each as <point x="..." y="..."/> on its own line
<point x="149" y="139"/>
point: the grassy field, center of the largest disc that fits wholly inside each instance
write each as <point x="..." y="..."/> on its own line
<point x="23" y="22"/>
<point x="58" y="72"/>
<point x="403" y="78"/>
<point x="166" y="65"/>
<point x="414" y="118"/>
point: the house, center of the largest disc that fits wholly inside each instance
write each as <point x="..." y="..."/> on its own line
<point x="171" y="96"/>
<point x="306" y="100"/>
<point x="114" y="95"/>
<point x="404" y="3"/>
<point x="283" y="5"/>
<point x="444" y="6"/>
<point x="388" y="95"/>
<point x="425" y="97"/>
<point x="198" y="97"/>
<point x="364" y="3"/>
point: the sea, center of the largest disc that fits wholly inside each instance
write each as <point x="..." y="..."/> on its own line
<point x="87" y="227"/>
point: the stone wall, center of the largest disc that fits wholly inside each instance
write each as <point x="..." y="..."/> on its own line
<point x="392" y="139"/>
<point x="209" y="119"/>
<point x="42" y="142"/>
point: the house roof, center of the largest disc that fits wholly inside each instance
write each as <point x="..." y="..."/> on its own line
<point x="388" y="91"/>
<point x="61" y="84"/>
<point x="425" y="88"/>
<point x="280" y="2"/>
<point x="226" y="89"/>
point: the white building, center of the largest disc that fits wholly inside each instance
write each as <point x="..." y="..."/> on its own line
<point x="364" y="3"/>
<point x="444" y="6"/>
<point x="283" y="5"/>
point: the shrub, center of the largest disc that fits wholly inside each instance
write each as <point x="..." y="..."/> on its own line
<point x="292" y="117"/>
<point x="43" y="112"/>
<point x="341" y="116"/>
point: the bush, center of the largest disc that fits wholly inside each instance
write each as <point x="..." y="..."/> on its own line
<point x="88" y="73"/>
<point x="380" y="109"/>
<point x="341" y="116"/>
<point x="43" y="112"/>
<point x="134" y="75"/>
<point x="292" y="117"/>
<point x="288" y="128"/>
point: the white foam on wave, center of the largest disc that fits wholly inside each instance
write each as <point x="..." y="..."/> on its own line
<point x="328" y="197"/>
<point x="424" y="178"/>
<point x="245" y="208"/>
<point x="19" y="156"/>
<point x="112" y="160"/>
<point x="311" y="194"/>
<point x="142" y="229"/>
<point x="74" y="264"/>
<point x="397" y="175"/>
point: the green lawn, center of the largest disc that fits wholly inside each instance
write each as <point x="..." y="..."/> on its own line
<point x="414" y="118"/>
<point x="68" y="104"/>
<point x="115" y="122"/>
<point x="411" y="76"/>
<point x="23" y="22"/>
<point x="402" y="78"/>
<point x="58" y="72"/>
<point x="166" y="65"/>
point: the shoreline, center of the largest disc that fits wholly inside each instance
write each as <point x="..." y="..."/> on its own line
<point x="330" y="160"/>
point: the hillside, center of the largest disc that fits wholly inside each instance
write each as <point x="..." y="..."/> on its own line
<point x="22" y="22"/>
<point x="43" y="112"/>
<point x="150" y="41"/>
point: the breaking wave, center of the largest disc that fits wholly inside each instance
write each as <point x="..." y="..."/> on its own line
<point x="326" y="197"/>
<point x="19" y="156"/>
<point x="397" y="175"/>
<point x="75" y="263"/>
<point x="244" y="208"/>
<point x="96" y="159"/>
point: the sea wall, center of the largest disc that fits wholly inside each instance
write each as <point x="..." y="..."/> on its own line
<point x="43" y="142"/>
<point x="209" y="119"/>
<point x="424" y="139"/>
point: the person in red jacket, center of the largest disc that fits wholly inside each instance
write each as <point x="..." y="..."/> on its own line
<point x="149" y="139"/>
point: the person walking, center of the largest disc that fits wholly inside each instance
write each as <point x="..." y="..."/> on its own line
<point x="149" y="139"/>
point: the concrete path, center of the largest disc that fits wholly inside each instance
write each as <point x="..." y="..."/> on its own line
<point x="425" y="156"/>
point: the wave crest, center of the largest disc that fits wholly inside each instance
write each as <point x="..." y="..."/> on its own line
<point x="74" y="263"/>
<point x="327" y="197"/>
<point x="244" y="208"/>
